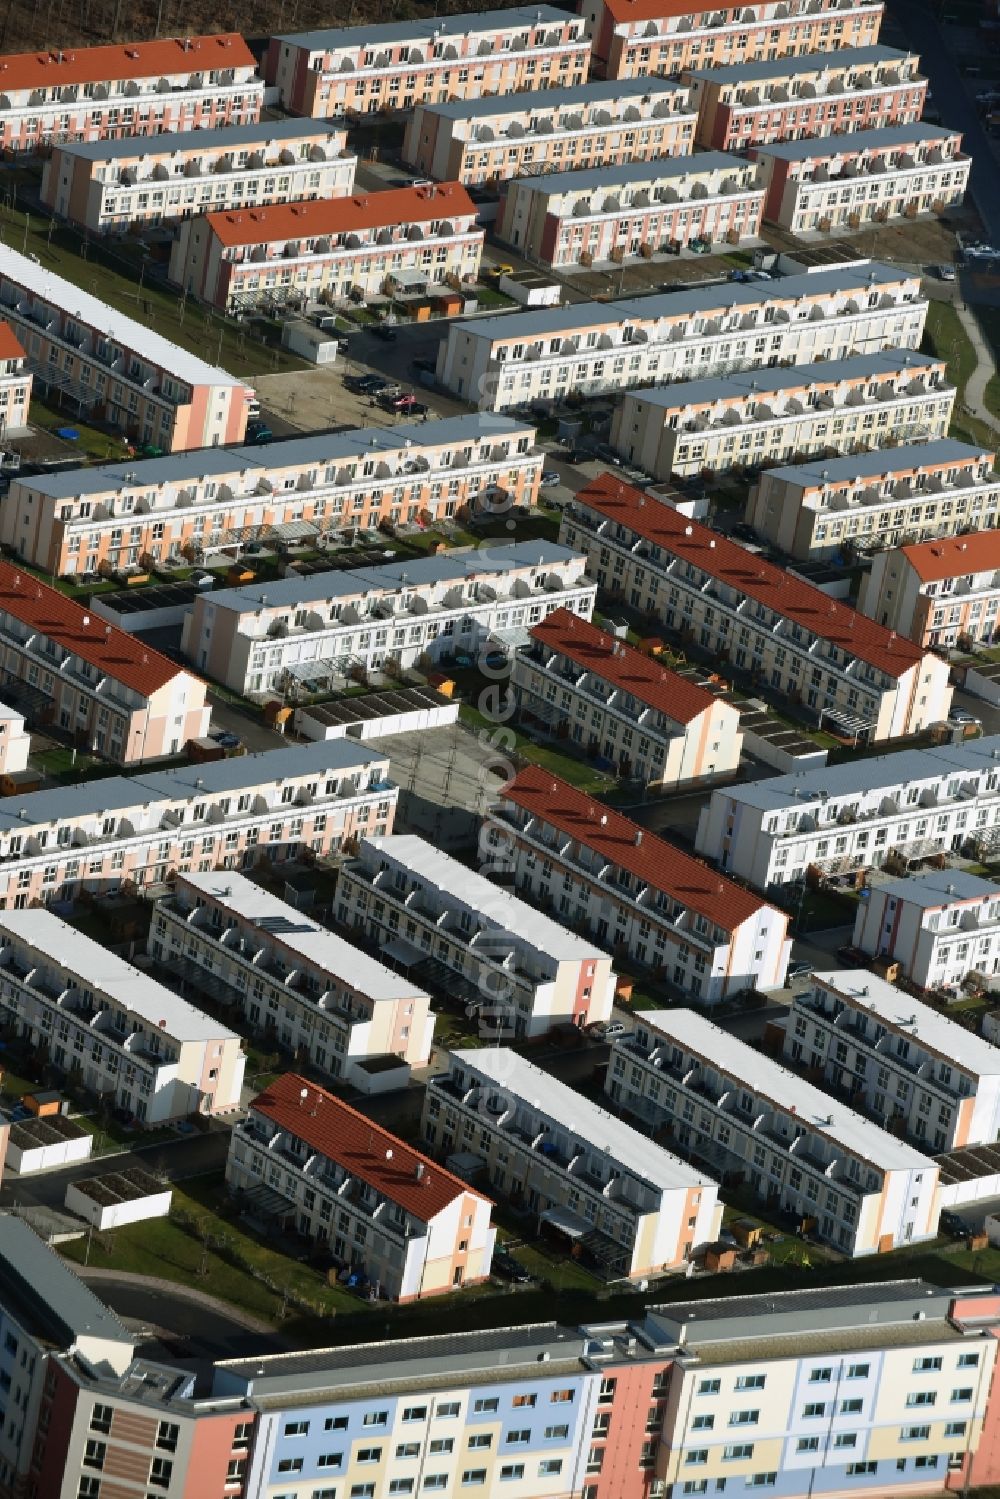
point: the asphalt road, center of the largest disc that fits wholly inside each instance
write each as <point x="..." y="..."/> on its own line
<point x="179" y="1325"/>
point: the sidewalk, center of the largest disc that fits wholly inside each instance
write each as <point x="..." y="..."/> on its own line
<point x="975" y="390"/>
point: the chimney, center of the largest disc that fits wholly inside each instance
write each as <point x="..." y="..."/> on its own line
<point x="419" y="1171"/>
<point x="638" y="837"/>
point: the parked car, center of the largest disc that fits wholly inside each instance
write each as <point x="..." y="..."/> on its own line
<point x="508" y="1268"/>
<point x="954" y="1225"/>
<point x="607" y="454"/>
<point x="799" y="970"/>
<point x="369" y="385"/>
<point x="225" y="739"/>
<point x="385" y="332"/>
<point x="945" y="272"/>
<point x="744" y="532"/>
<point x="257" y="432"/>
<point x="962" y="718"/>
<point x="550" y="478"/>
<point x="424" y="366"/>
<point x="417" y="408"/>
<point x="403" y="403"/>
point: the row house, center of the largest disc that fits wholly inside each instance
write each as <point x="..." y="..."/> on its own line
<point x="137" y="831"/>
<point x="286" y="975"/>
<point x="853" y="816"/>
<point x="113" y="369"/>
<point x="811" y="94"/>
<point x="870" y="177"/>
<point x="740" y="421"/>
<point x="381" y="1208"/>
<point x="112" y="1027"/>
<point x="657" y="727"/>
<point x="725" y="1105"/>
<point x="524" y="971"/>
<point x="588" y="348"/>
<point x="15" y="385"/>
<point x="606" y="214"/>
<point x="105" y="689"/>
<point x="630" y="1205"/>
<point x="649" y="902"/>
<point x="113" y="92"/>
<point x="489" y="141"/>
<point x="940" y="926"/>
<point x="15" y="741"/>
<point x="900" y="1061"/>
<point x="181" y="508"/>
<point x="914" y="492"/>
<point x="738" y="607"/>
<point x="632" y="38"/>
<point x="357" y="70"/>
<point x="114" y="186"/>
<point x="405" y="240"/>
<point x="325" y="627"/>
<point x="937" y="592"/>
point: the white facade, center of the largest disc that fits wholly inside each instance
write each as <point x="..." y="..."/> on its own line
<point x="288" y="976"/>
<point x="725" y="1104"/>
<point x="45" y="1144"/>
<point x="904" y="1063"/>
<point x="939" y="927"/>
<point x="589" y="347"/>
<point x="852" y="816"/>
<point x="97" y="1202"/>
<point x="528" y="971"/>
<point x="938" y="592"/>
<point x="15" y="741"/>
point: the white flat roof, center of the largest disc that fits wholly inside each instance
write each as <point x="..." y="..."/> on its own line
<point x="939" y="887"/>
<point x="607" y="1135"/>
<point x="294" y="930"/>
<point x="923" y="1024"/>
<point x="138" y="338"/>
<point x="64" y="947"/>
<point x="494" y="905"/>
<point x="817" y="1111"/>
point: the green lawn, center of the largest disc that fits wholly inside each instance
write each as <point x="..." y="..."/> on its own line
<point x="945" y="337"/>
<point x="92" y="442"/>
<point x="14" y="1086"/>
<point x="577" y="772"/>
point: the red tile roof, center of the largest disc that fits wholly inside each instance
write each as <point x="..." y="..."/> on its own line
<point x="111" y="650"/>
<point x="54" y="69"/>
<point x="654" y="10"/>
<point x="364" y="1148"/>
<point x="281" y="221"/>
<point x="954" y="556"/>
<point x="654" y="860"/>
<point x="751" y="575"/>
<point x="678" y="697"/>
<point x="10" y="347"/>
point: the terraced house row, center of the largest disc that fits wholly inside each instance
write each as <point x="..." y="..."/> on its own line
<point x="188" y="504"/>
<point x="590" y="347"/>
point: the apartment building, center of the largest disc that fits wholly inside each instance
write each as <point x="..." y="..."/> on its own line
<point x="489" y="141"/>
<point x="632" y="38"/>
<point x="658" y="728"/>
<point x="639" y="208"/>
<point x="322" y="627"/>
<point x="383" y="1209"/>
<point x="869" y="501"/>
<point x="110" y="368"/>
<point x="740" y="421"/>
<point x="629" y="1204"/>
<point x="319" y="997"/>
<point x="525" y="970"/>
<point x="879" y="1390"/>
<point x="587" y="348"/>
<point x="900" y="1061"/>
<point x="106" y="689"/>
<point x="937" y="592"/>
<point x="187" y="505"/>
<point x="854" y="816"/>
<point x="733" y="1110"/>
<point x="405" y="240"/>
<point x="15" y="741"/>
<point x="940" y="926"/>
<point x="868" y="177"/>
<point x="743" y="610"/>
<point x="140" y="88"/>
<point x="811" y="94"/>
<point x="357" y="70"/>
<point x="113" y="186"/>
<point x="15" y="384"/>
<point x="124" y="1036"/>
<point x="645" y="899"/>
<point x="134" y="831"/>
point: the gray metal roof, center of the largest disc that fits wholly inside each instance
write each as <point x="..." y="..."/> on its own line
<point x="334" y="37"/>
<point x="808" y="62"/>
<point x="325" y="447"/>
<point x="783" y="1312"/>
<point x="883" y="137"/>
<point x="542" y="321"/>
<point x="45" y="1296"/>
<point x="550" y="100"/>
<point x="769" y="381"/>
<point x="940" y="887"/>
<point x="631" y="173"/>
<point x="216" y="141"/>
<point x="878" y="462"/>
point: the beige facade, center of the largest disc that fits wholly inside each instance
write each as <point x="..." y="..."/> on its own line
<point x="357" y="70"/>
<point x="15" y="385"/>
<point x="291" y="978"/>
<point x="744" y="420"/>
<point x="113" y="186"/>
<point x="553" y="130"/>
<point x="937" y="592"/>
<point x="869" y="501"/>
